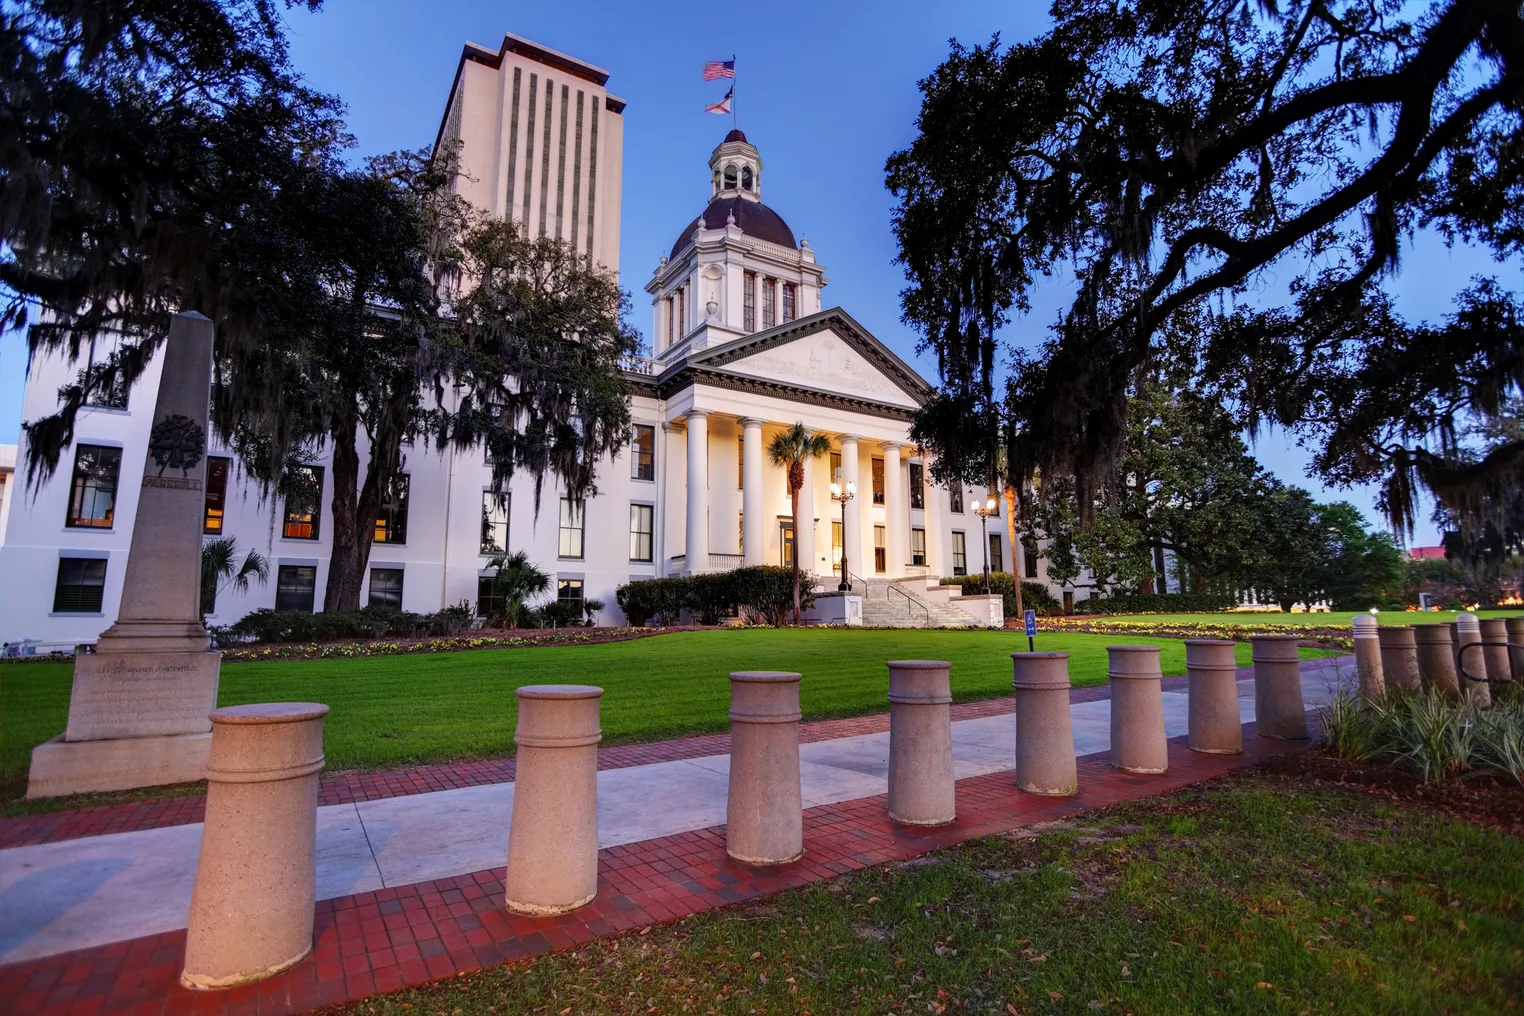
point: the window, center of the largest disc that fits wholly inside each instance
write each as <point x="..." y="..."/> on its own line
<point x="997" y="559"/>
<point x="788" y="301"/>
<point x="643" y="453"/>
<point x="918" y="546"/>
<point x="101" y="393"/>
<point x="1029" y="551"/>
<point x="955" y="492"/>
<point x="746" y="178"/>
<point x="494" y="523"/>
<point x="749" y="301"/>
<point x="741" y="463"/>
<point x="92" y="501"/>
<point x="488" y="602"/>
<point x="571" y="528"/>
<point x="917" y="494"/>
<point x="216" y="494"/>
<point x="836" y="544"/>
<point x="878" y="481"/>
<point x="294" y="585"/>
<point x="730" y="178"/>
<point x="304" y="498"/>
<point x="682" y="311"/>
<point x="672" y="319"/>
<point x="880" y="549"/>
<point x="569" y="594"/>
<point x="81" y="585"/>
<point x="386" y="587"/>
<point x="836" y="466"/>
<point x="960" y="554"/>
<point x="641" y="518"/>
<point x="786" y="544"/>
<point x="767" y="303"/>
<point x="391" y="524"/>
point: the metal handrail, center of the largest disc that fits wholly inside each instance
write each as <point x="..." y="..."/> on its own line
<point x="1460" y="662"/>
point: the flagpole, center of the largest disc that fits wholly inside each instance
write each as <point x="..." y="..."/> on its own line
<point x="733" y="92"/>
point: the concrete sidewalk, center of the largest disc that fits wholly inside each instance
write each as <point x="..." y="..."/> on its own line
<point x="75" y="894"/>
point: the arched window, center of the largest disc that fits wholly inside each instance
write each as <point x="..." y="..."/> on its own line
<point x="716" y="179"/>
<point x="746" y="178"/>
<point x="730" y="177"/>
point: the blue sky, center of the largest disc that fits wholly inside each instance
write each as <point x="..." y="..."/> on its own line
<point x="826" y="91"/>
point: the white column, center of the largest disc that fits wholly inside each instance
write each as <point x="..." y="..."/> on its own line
<point x="852" y="527"/>
<point x="804" y="539"/>
<point x="753" y="526"/>
<point x="936" y="515"/>
<point x="896" y="514"/>
<point x="696" y="549"/>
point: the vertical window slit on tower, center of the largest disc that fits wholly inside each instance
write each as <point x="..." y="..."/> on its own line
<point x="534" y="81"/>
<point x="576" y="210"/>
<point x="513" y="142"/>
<point x="592" y="171"/>
<point x="561" y="161"/>
<point x="545" y="158"/>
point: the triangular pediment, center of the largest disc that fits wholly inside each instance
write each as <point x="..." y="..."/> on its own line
<point x="826" y="352"/>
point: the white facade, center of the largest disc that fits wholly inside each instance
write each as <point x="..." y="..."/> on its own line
<point x="693" y="493"/>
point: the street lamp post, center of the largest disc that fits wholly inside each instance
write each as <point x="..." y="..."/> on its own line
<point x="984" y="511"/>
<point x="842" y="495"/>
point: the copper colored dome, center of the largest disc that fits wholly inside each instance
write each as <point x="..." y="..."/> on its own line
<point x="754" y="218"/>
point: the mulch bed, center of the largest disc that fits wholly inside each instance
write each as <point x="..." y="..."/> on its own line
<point x="1483" y="800"/>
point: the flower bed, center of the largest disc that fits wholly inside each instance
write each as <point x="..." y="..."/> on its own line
<point x="1326" y="636"/>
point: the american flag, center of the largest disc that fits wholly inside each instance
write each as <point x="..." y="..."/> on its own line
<point x="719" y="69"/>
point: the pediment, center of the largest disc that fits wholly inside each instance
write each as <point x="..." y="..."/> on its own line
<point x="830" y="354"/>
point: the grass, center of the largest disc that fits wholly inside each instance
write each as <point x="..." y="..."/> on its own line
<point x="398" y="710"/>
<point x="1251" y="895"/>
<point x="1315" y="620"/>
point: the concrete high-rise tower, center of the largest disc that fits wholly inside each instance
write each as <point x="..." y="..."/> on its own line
<point x="541" y="143"/>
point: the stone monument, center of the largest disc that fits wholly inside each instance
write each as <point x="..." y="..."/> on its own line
<point x="138" y="711"/>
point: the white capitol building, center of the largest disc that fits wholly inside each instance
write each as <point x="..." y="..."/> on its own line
<point x="743" y="348"/>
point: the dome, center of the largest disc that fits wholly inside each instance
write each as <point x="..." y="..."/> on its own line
<point x="735" y="135"/>
<point x="753" y="217"/>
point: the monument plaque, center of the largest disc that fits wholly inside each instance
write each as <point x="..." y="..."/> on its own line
<point x="138" y="712"/>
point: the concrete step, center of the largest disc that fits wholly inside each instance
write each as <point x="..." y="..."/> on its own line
<point x="908" y="607"/>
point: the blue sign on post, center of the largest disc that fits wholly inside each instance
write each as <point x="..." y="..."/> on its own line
<point x="1031" y="619"/>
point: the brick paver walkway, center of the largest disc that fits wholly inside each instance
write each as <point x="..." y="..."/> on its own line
<point x="386" y="939"/>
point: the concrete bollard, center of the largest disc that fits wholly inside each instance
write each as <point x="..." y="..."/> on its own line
<point x="1436" y="658"/>
<point x="1368" y="669"/>
<point x="1399" y="657"/>
<point x="921" y="783"/>
<point x="1045" y="759"/>
<point x="1499" y="664"/>
<point x="1515" y="626"/>
<point x="1278" y="708"/>
<point x="1138" y="744"/>
<point x="764" y="812"/>
<point x="553" y="835"/>
<point x="1472" y="669"/>
<point x="1212" y="676"/>
<point x="256" y="879"/>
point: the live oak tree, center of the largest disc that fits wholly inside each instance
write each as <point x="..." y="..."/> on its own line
<point x="1194" y="158"/>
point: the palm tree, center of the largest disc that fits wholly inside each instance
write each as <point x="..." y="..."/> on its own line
<point x="220" y="569"/>
<point x="515" y="580"/>
<point x="790" y="450"/>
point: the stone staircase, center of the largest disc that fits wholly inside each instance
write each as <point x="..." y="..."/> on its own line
<point x="910" y="604"/>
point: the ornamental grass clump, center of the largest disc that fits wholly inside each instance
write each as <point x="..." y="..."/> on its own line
<point x="1430" y="734"/>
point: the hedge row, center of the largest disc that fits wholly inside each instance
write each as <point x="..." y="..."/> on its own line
<point x="762" y="593"/>
<point x="266" y="625"/>
<point x="1157" y="603"/>
<point x="1033" y="596"/>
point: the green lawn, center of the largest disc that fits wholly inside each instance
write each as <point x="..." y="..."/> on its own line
<point x="1250" y="896"/>
<point x="395" y="710"/>
<point x="1310" y="620"/>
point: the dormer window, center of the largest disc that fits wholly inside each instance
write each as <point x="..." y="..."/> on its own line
<point x="730" y="177"/>
<point x="746" y="178"/>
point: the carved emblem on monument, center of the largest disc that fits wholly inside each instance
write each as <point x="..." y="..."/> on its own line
<point x="177" y="442"/>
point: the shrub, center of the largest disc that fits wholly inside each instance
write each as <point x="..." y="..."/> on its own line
<point x="652" y="601"/>
<point x="1033" y="596"/>
<point x="710" y="596"/>
<point x="767" y="592"/>
<point x="1157" y="603"/>
<point x="266" y="625"/>
<point x="1439" y="738"/>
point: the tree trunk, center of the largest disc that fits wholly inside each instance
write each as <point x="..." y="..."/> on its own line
<point x="793" y="493"/>
<point x="345" y="562"/>
<point x="1018" y="551"/>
